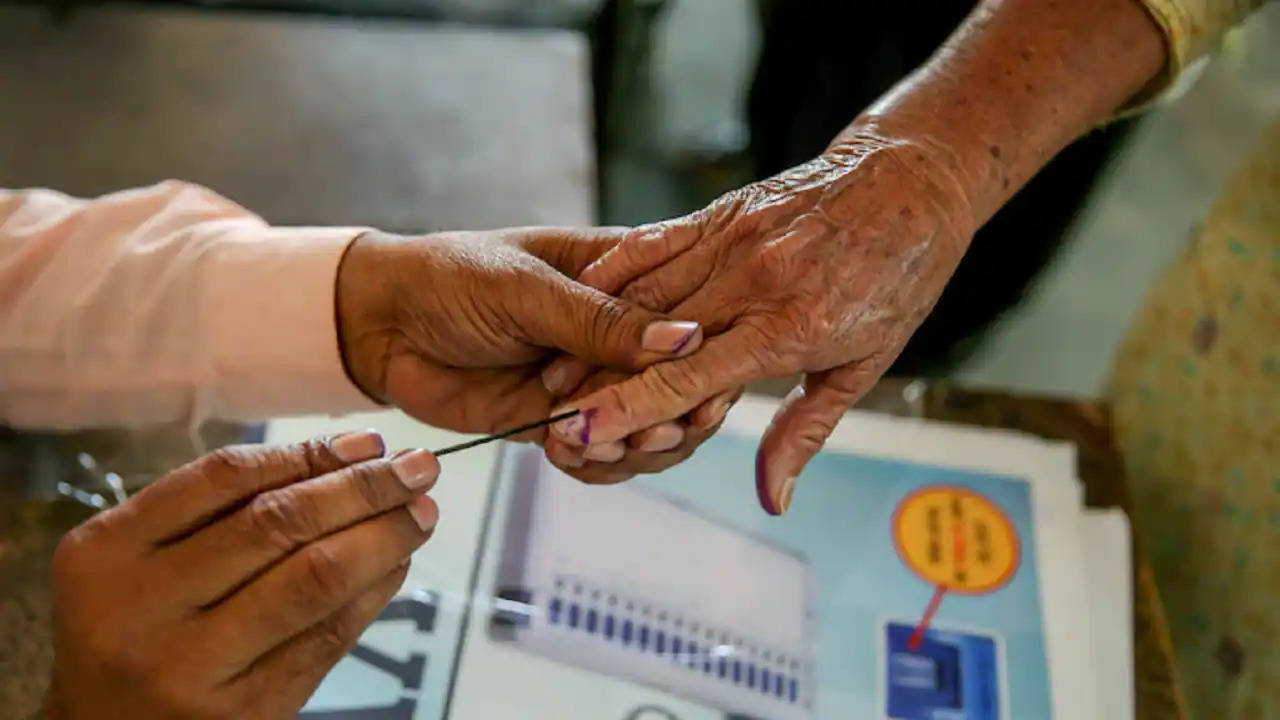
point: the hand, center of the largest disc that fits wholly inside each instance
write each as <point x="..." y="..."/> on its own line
<point x="651" y="450"/>
<point x="826" y="269"/>
<point x="230" y="587"/>
<point x="829" y="268"/>
<point x="454" y="327"/>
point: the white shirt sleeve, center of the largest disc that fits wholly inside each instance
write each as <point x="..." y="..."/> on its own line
<point x="164" y="304"/>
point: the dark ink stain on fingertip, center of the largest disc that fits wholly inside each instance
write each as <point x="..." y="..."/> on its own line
<point x="587" y="416"/>
<point x="764" y="499"/>
<point x="684" y="341"/>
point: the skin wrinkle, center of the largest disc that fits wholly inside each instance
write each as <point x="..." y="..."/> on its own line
<point x="831" y="231"/>
<point x="870" y="231"/>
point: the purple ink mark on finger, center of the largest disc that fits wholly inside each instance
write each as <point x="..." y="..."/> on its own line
<point x="587" y="416"/>
<point x="684" y="341"/>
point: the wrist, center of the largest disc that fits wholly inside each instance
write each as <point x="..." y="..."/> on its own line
<point x="933" y="170"/>
<point x="1017" y="82"/>
<point x="364" y="311"/>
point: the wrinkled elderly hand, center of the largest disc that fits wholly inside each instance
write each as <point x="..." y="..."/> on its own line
<point x="455" y="327"/>
<point x="231" y="586"/>
<point x="826" y="269"/>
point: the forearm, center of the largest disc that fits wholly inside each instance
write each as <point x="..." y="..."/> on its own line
<point x="1017" y="82"/>
<point x="163" y="304"/>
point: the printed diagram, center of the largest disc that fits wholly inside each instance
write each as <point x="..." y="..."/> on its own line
<point x="957" y="540"/>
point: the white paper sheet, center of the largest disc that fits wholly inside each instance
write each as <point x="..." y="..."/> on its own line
<point x="1104" y="536"/>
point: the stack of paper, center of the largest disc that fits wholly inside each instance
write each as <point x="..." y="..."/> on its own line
<point x="923" y="572"/>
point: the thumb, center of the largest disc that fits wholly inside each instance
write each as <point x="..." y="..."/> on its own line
<point x="602" y="329"/>
<point x="799" y="429"/>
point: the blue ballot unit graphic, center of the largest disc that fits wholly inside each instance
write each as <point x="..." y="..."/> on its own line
<point x="949" y="676"/>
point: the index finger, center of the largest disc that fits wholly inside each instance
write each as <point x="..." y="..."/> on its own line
<point x="208" y="487"/>
<point x="641" y="251"/>
<point x="670" y="389"/>
<point x="569" y="250"/>
<point x="225" y="555"/>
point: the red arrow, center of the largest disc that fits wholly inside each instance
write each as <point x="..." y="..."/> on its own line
<point x="918" y="634"/>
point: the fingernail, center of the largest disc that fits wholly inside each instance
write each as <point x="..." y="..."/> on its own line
<point x="417" y="469"/>
<point x="784" y="494"/>
<point x="670" y="337"/>
<point x="661" y="438"/>
<point x="716" y="414"/>
<point x="424" y="512"/>
<point x="553" y="377"/>
<point x="577" y="429"/>
<point x="356" y="446"/>
<point x="610" y="452"/>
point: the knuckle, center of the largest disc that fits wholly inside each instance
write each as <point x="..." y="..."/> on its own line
<point x="674" y="380"/>
<point x="327" y="578"/>
<point x="280" y="520"/>
<point x="773" y="267"/>
<point x="636" y="251"/>
<point x="607" y="318"/>
<point x="311" y="457"/>
<point x="333" y="635"/>
<point x="725" y="210"/>
<point x="772" y="343"/>
<point x="646" y="292"/>
<point x="231" y="460"/>
<point x="282" y="462"/>
<point x="815" y="328"/>
<point x="369" y="484"/>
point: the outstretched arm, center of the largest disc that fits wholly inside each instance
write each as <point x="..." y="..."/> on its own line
<point x="828" y="268"/>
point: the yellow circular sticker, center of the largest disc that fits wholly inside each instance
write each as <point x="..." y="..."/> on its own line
<point x="955" y="539"/>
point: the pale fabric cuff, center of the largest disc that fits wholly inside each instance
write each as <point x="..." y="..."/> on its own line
<point x="1192" y="29"/>
<point x="272" y="331"/>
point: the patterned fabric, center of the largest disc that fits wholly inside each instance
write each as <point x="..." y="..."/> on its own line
<point x="1196" y="395"/>
<point x="1195" y="27"/>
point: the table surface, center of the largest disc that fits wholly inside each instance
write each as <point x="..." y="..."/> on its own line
<point x="29" y="531"/>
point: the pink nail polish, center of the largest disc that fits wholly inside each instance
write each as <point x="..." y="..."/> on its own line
<point x="357" y="446"/>
<point x="553" y="377"/>
<point x="784" y="494"/>
<point x="610" y="452"/>
<point x="424" y="513"/>
<point x="669" y="337"/>
<point x="416" y="469"/>
<point x="662" y="438"/>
